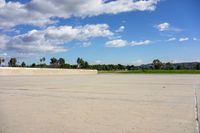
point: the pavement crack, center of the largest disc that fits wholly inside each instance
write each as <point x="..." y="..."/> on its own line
<point x="196" y="112"/>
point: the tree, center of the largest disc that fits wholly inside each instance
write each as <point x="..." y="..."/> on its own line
<point x="82" y="64"/>
<point x="178" y="67"/>
<point x="198" y="66"/>
<point x="23" y="64"/>
<point x="157" y="64"/>
<point x="33" y="65"/>
<point x="169" y="66"/>
<point x="86" y="64"/>
<point x="42" y="59"/>
<point x="53" y="61"/>
<point x="12" y="62"/>
<point x="79" y="62"/>
<point x="61" y="62"/>
<point x="120" y="67"/>
<point x="128" y="67"/>
<point x="2" y="60"/>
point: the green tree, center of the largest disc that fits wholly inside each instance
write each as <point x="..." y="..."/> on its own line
<point x="128" y="67"/>
<point x="42" y="59"/>
<point x="54" y="62"/>
<point x="12" y="62"/>
<point x="121" y="67"/>
<point x="23" y="64"/>
<point x="33" y="65"/>
<point x="61" y="62"/>
<point x="157" y="64"/>
<point x="198" y="66"/>
<point x="79" y="60"/>
<point x="86" y="64"/>
<point x="42" y="62"/>
<point x="2" y="60"/>
<point x="179" y="67"/>
<point x="82" y="64"/>
<point x="169" y="66"/>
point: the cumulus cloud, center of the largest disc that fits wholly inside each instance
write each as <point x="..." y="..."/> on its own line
<point x="2" y="3"/>
<point x="15" y="13"/>
<point x="163" y="26"/>
<point x="53" y="39"/>
<point x="40" y="12"/>
<point x="196" y="39"/>
<point x="183" y="39"/>
<point x="167" y="27"/>
<point x="77" y="33"/>
<point x="120" y="29"/>
<point x="122" y="43"/>
<point x="86" y="44"/>
<point x="136" y="43"/>
<point x="116" y="43"/>
<point x="3" y="40"/>
<point x="33" y="41"/>
<point x="171" y="39"/>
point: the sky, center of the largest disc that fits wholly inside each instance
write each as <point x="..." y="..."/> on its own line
<point x="100" y="31"/>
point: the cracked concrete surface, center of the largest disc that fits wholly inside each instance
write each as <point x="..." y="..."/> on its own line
<point x="98" y="103"/>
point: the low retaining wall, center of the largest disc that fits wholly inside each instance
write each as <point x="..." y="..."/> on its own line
<point x="43" y="71"/>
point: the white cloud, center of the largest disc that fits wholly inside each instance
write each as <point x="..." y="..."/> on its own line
<point x="39" y="12"/>
<point x="3" y="40"/>
<point x="196" y="39"/>
<point x="3" y="54"/>
<point x="136" y="43"/>
<point x="2" y="3"/>
<point x="52" y="39"/>
<point x="120" y="29"/>
<point x="163" y="26"/>
<point x="116" y="43"/>
<point x="86" y="44"/>
<point x="69" y="33"/>
<point x="171" y="39"/>
<point x="183" y="39"/>
<point x="15" y="13"/>
<point x="122" y="43"/>
<point x="167" y="27"/>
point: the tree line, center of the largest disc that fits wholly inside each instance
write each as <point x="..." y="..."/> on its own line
<point x="82" y="64"/>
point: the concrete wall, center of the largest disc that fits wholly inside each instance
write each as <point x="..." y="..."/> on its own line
<point x="43" y="71"/>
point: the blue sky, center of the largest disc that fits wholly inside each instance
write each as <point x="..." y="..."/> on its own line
<point x="120" y="31"/>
